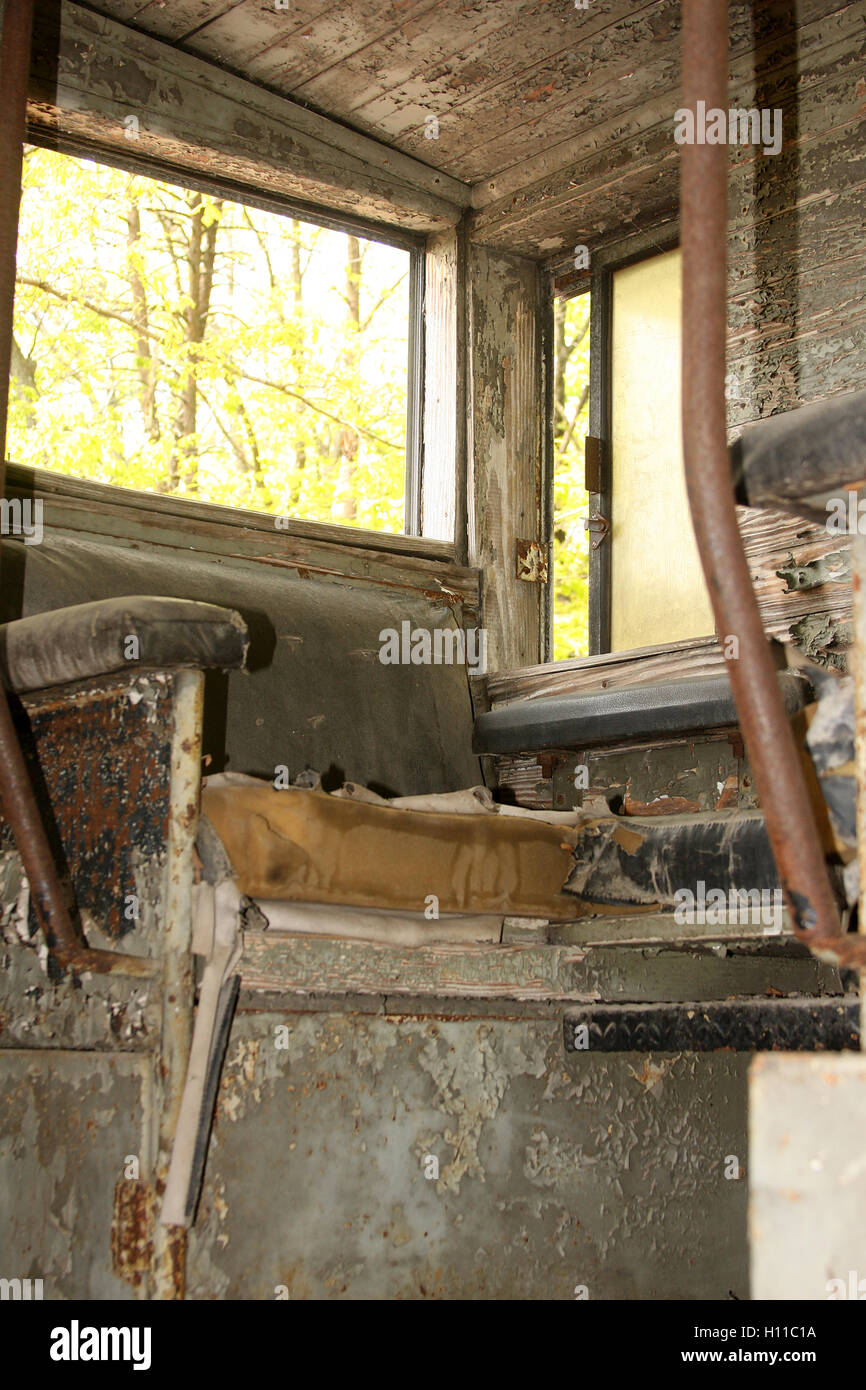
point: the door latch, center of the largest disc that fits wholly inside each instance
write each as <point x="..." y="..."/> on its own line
<point x="598" y="526"/>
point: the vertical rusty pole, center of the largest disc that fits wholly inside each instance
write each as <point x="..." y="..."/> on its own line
<point x="791" y="825"/>
<point x="16" y="791"/>
<point x="19" y="806"/>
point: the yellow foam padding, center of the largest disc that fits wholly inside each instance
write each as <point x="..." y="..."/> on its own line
<point x="306" y="846"/>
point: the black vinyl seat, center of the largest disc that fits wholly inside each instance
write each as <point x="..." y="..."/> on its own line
<point x="610" y="716"/>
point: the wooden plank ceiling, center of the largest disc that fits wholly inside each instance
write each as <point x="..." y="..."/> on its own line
<point x="537" y="103"/>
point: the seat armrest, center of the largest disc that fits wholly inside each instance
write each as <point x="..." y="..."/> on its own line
<point x="97" y="639"/>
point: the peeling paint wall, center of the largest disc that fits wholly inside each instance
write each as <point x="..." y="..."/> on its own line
<point x="553" y="1172"/>
<point x="69" y="1123"/>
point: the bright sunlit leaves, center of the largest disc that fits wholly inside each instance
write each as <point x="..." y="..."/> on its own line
<point x="177" y="343"/>
<point x="570" y="500"/>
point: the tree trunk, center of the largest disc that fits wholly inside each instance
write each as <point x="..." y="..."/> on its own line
<point x="345" y="507"/>
<point x="146" y="362"/>
<point x="200" y="258"/>
<point x="298" y="358"/>
<point x="560" y="358"/>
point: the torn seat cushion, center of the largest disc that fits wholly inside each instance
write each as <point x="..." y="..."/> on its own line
<point x="95" y="639"/>
<point x="306" y="846"/>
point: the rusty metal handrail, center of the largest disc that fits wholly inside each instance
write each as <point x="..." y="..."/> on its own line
<point x="791" y="825"/>
<point x="16" y="791"/>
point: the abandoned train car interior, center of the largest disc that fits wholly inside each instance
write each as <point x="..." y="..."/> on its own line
<point x="432" y="650"/>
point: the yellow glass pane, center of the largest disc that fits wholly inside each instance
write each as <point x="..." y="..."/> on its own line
<point x="657" y="587"/>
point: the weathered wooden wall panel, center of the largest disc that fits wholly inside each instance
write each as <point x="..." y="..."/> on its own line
<point x="797" y="264"/>
<point x="531" y="972"/>
<point x="330" y="553"/>
<point x="443" y="509"/>
<point x="505" y="486"/>
<point x="480" y="70"/>
<point x="616" y="165"/>
<point x="560" y="119"/>
<point x="89" y="76"/>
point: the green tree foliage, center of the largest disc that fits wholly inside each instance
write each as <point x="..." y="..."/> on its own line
<point x="177" y="343"/>
<point x="570" y="500"/>
<point x="181" y="344"/>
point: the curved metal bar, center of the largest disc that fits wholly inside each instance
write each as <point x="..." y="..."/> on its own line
<point x="16" y="792"/>
<point x="791" y="825"/>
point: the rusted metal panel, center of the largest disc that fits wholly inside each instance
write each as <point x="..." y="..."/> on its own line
<point x="658" y="779"/>
<point x="123" y="761"/>
<point x="43" y="1007"/>
<point x="116" y="866"/>
<point x="132" y="1230"/>
<point x="95" y="1012"/>
<point x="103" y="750"/>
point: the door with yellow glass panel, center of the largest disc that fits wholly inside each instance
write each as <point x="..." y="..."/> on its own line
<point x="657" y="590"/>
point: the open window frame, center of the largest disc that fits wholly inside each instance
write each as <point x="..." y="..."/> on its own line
<point x="564" y="281"/>
<point x="410" y="539"/>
